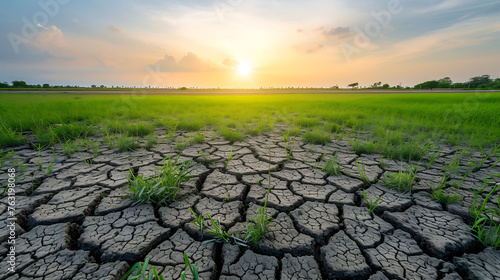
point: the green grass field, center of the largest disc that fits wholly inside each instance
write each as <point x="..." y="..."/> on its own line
<point x="396" y="120"/>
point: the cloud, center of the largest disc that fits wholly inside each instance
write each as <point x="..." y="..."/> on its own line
<point x="114" y="29"/>
<point x="231" y="63"/>
<point x="309" y="49"/>
<point x="102" y="67"/>
<point x="49" y="39"/>
<point x="339" y="32"/>
<point x="75" y="20"/>
<point x="189" y="63"/>
<point x="460" y="36"/>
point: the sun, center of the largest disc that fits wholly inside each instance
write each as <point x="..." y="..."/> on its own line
<point x="244" y="68"/>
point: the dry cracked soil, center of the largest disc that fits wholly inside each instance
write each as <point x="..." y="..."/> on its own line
<point x="73" y="223"/>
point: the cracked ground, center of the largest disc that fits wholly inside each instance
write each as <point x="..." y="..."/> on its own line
<point x="72" y="222"/>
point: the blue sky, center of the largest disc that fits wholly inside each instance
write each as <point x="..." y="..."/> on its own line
<point x="243" y="43"/>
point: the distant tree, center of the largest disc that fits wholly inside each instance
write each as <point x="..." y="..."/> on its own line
<point x="19" y="84"/>
<point x="353" y="85"/>
<point x="496" y="83"/>
<point x="335" y="87"/>
<point x="183" y="88"/>
<point x="4" y="85"/>
<point x="46" y="86"/>
<point x="446" y="80"/>
<point x="475" y="82"/>
<point x="93" y="86"/>
<point x="428" y="85"/>
<point x="102" y="86"/>
<point x="385" y="86"/>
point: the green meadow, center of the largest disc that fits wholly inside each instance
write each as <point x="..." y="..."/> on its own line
<point x="394" y="124"/>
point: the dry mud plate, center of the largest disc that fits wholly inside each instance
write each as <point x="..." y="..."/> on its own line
<point x="73" y="223"/>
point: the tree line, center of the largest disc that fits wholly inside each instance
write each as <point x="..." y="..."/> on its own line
<point x="23" y="84"/>
<point x="478" y="82"/>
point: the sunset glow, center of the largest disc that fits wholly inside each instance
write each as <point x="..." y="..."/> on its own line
<point x="244" y="68"/>
<point x="281" y="43"/>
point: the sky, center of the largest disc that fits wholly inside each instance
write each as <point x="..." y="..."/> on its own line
<point x="247" y="43"/>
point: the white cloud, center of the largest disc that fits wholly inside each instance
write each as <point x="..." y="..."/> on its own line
<point x="188" y="63"/>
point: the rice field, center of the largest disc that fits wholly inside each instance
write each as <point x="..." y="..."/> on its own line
<point x="391" y="120"/>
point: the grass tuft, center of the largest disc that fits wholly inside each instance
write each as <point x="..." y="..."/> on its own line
<point x="332" y="166"/>
<point x="487" y="220"/>
<point x="372" y="204"/>
<point x="163" y="188"/>
<point x="362" y="173"/>
<point x="151" y="140"/>
<point x="402" y="181"/>
<point x="306" y="122"/>
<point x="126" y="144"/>
<point x="142" y="272"/>
<point x="231" y="135"/>
<point x="317" y="136"/>
<point x="439" y="194"/>
<point x="140" y="129"/>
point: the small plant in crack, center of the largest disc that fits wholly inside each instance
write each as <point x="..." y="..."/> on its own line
<point x="69" y="148"/>
<point x="258" y="227"/>
<point x="438" y="193"/>
<point x="111" y="141"/>
<point x="204" y="158"/>
<point x="432" y="158"/>
<point x="322" y="157"/>
<point x="229" y="158"/>
<point x="477" y="168"/>
<point x="332" y="166"/>
<point x="141" y="272"/>
<point x="87" y="161"/>
<point x="91" y="145"/>
<point x="372" y="204"/>
<point x="54" y="155"/>
<point x="198" y="139"/>
<point x="193" y="268"/>
<point x="39" y="148"/>
<point x="151" y="140"/>
<point x="221" y="236"/>
<point x="49" y="168"/>
<point x="199" y="221"/>
<point x="382" y="163"/>
<point x="160" y="189"/>
<point x="403" y="180"/>
<point x="486" y="220"/>
<point x="362" y="173"/>
<point x="126" y="144"/>
<point x="454" y="166"/>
